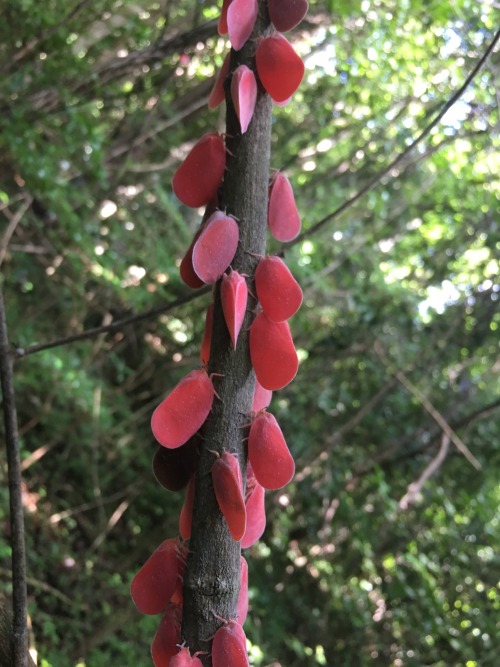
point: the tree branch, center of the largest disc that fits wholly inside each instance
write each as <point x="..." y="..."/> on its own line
<point x="14" y="220"/>
<point x="31" y="349"/>
<point x="21" y="352"/>
<point x="399" y="158"/>
<point x="415" y="488"/>
<point x="212" y="579"/>
<point x="20" y="630"/>
<point x="427" y="405"/>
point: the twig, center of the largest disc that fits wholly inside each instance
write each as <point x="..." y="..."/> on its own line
<point x="399" y="158"/>
<point x="415" y="487"/>
<point x="115" y="326"/>
<point x="427" y="405"/>
<point x="42" y="586"/>
<point x="19" y="602"/>
<point x="11" y="227"/>
<point x="32" y="349"/>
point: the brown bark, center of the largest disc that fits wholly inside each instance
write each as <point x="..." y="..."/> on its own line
<point x="211" y="582"/>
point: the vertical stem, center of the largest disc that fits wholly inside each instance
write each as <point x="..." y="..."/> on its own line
<point x="211" y="582"/>
<point x="20" y="632"/>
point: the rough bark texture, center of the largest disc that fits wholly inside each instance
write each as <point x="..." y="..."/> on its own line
<point x="211" y="582"/>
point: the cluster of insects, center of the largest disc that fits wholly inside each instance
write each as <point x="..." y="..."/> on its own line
<point x="178" y="419"/>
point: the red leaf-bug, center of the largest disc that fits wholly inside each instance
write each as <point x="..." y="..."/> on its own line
<point x="206" y="341"/>
<point x="234" y="296"/>
<point x="283" y="217"/>
<point x="155" y="583"/>
<point x="215" y="247"/>
<point x="272" y="352"/>
<point x="244" y="95"/>
<point x="184" y="411"/>
<point x="186" y="515"/>
<point x="229" y="646"/>
<point x="173" y="468"/>
<point x="166" y="640"/>
<point x="242" y="608"/>
<point x="217" y="95"/>
<point x="227" y="482"/>
<point x="198" y="178"/>
<point x="277" y="290"/>
<point x="241" y="17"/>
<point x="272" y="463"/>
<point x="279" y="67"/>
<point x="256" y="516"/>
<point x="286" y="14"/>
<point x="185" y="659"/>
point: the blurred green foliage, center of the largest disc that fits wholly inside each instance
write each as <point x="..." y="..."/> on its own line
<point x="99" y="103"/>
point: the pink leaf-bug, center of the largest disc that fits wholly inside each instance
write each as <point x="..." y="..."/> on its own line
<point x="173" y="468"/>
<point x="229" y="646"/>
<point x="256" y="516"/>
<point x="272" y="463"/>
<point x="217" y="95"/>
<point x="184" y="411"/>
<point x="283" y="217"/>
<point x="234" y="296"/>
<point x="198" y="178"/>
<point x="228" y="488"/>
<point x="272" y="352"/>
<point x="286" y="14"/>
<point x="166" y="640"/>
<point x="244" y="95"/>
<point x="242" y="608"/>
<point x="206" y="341"/>
<point x="155" y="583"/>
<point x="215" y="247"/>
<point x="279" y="67"/>
<point x="261" y="397"/>
<point x="277" y="290"/>
<point x="186" y="515"/>
<point x="241" y="17"/>
<point x="185" y="659"/>
<point x="222" y="25"/>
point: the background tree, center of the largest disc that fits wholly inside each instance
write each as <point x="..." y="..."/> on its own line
<point x="399" y="324"/>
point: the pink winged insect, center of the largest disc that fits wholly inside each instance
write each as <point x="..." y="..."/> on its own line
<point x="156" y="581"/>
<point x="272" y="352"/>
<point x="279" y="67"/>
<point x="166" y="640"/>
<point x="184" y="411"/>
<point x="229" y="646"/>
<point x="185" y="659"/>
<point x="217" y="95"/>
<point x="234" y="296"/>
<point x="198" y="178"/>
<point x="241" y="17"/>
<point x="228" y="487"/>
<point x="215" y="247"/>
<point x="272" y="463"/>
<point x="244" y="95"/>
<point x="283" y="217"/>
<point x="277" y="290"/>
<point x="286" y="14"/>
<point x="256" y="516"/>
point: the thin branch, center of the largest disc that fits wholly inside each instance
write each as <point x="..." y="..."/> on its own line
<point x="11" y="227"/>
<point x="41" y="585"/>
<point x="114" y="326"/>
<point x="399" y="158"/>
<point x="19" y="604"/>
<point x="415" y="488"/>
<point x="31" y="349"/>
<point x="427" y="405"/>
